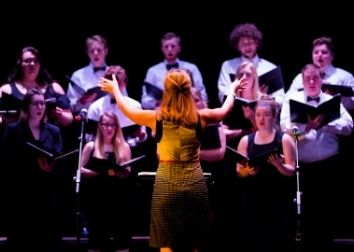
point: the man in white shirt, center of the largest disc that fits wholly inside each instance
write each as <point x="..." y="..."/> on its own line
<point x="322" y="56"/>
<point x="247" y="39"/>
<point x="170" y="47"/>
<point x="318" y="153"/>
<point x="88" y="76"/>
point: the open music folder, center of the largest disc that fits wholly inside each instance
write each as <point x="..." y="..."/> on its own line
<point x="272" y="79"/>
<point x="88" y="91"/>
<point x="300" y="112"/>
<point x="10" y="104"/>
<point x="40" y="152"/>
<point x="236" y="118"/>
<point x="256" y="160"/>
<point x="108" y="168"/>
<point x="338" y="89"/>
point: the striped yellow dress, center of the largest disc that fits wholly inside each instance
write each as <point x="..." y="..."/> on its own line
<point x="180" y="205"/>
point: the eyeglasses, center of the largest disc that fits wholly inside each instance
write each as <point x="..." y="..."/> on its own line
<point x="30" y="60"/>
<point x="38" y="103"/>
<point x="107" y="125"/>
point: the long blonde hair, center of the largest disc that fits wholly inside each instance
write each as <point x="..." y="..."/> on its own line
<point x="256" y="93"/>
<point x="121" y="152"/>
<point x="177" y="101"/>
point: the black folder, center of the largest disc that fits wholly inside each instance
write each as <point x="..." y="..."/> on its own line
<point x="10" y="104"/>
<point x="299" y="112"/>
<point x="210" y="138"/>
<point x="153" y="91"/>
<point x="338" y="89"/>
<point x="253" y="161"/>
<point x="89" y="91"/>
<point x="272" y="79"/>
<point x="109" y="168"/>
<point x="60" y="101"/>
<point x="236" y="118"/>
<point x="245" y="102"/>
<point x="40" y="152"/>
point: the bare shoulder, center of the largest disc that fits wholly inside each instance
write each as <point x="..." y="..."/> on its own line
<point x="6" y="88"/>
<point x="89" y="146"/>
<point x="287" y="139"/>
<point x="58" y="88"/>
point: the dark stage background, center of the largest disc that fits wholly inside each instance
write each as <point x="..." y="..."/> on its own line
<point x="59" y="32"/>
<point x="133" y="34"/>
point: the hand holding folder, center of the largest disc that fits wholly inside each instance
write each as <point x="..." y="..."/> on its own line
<point x="86" y="92"/>
<point x="40" y="152"/>
<point x="108" y="168"/>
<point x="245" y="102"/>
<point x="253" y="161"/>
<point x="329" y="111"/>
<point x="272" y="79"/>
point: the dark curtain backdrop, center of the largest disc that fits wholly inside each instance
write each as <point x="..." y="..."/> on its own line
<point x="134" y="31"/>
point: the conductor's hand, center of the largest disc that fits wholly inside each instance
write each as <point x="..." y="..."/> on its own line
<point x="237" y="86"/>
<point x="109" y="86"/>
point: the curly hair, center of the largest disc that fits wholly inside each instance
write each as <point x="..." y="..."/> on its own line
<point x="245" y="30"/>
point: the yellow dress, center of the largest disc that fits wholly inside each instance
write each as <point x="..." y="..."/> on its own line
<point x="180" y="205"/>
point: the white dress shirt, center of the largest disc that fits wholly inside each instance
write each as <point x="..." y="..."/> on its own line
<point x="86" y="78"/>
<point x="332" y="75"/>
<point x="317" y="144"/>
<point x="156" y="75"/>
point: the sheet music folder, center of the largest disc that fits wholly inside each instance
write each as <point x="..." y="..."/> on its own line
<point x="10" y="104"/>
<point x="50" y="156"/>
<point x="89" y="91"/>
<point x="299" y="112"/>
<point x="245" y="102"/>
<point x="256" y="160"/>
<point x="107" y="167"/>
<point x="272" y="79"/>
<point x="236" y="118"/>
<point x="153" y="91"/>
<point x="338" y="89"/>
<point x="210" y="138"/>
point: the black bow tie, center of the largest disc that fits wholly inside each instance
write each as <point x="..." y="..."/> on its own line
<point x="316" y="99"/>
<point x="113" y="101"/>
<point x="96" y="69"/>
<point x="170" y="66"/>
